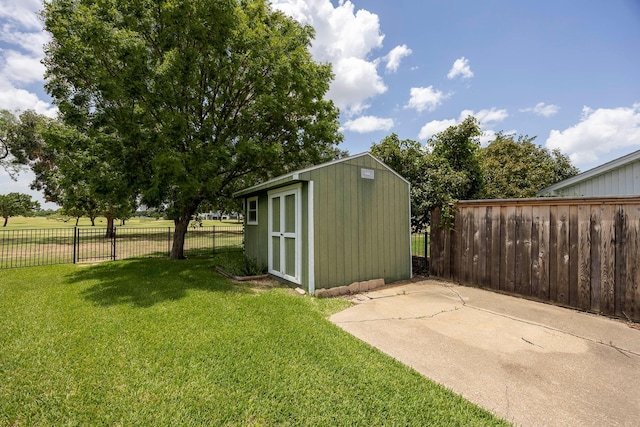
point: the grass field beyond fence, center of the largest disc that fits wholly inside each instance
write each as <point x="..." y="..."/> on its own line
<point x="153" y="342"/>
<point x="44" y="246"/>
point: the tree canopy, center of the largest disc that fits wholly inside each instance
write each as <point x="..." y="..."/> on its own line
<point x="183" y="102"/>
<point x="7" y="132"/>
<point x="17" y="204"/>
<point x="441" y="173"/>
<point x="457" y="147"/>
<point x="453" y="166"/>
<point x="407" y="158"/>
<point x="516" y="167"/>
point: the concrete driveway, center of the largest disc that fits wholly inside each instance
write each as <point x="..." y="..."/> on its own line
<point x="530" y="363"/>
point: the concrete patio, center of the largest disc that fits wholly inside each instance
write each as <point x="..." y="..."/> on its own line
<point x="530" y="363"/>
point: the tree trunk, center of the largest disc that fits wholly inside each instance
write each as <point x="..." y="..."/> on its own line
<point x="77" y="220"/>
<point x="6" y="219"/>
<point x="182" y="225"/>
<point x="93" y="221"/>
<point x="109" y="234"/>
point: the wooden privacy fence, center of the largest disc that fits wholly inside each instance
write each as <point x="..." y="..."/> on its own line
<point x="578" y="252"/>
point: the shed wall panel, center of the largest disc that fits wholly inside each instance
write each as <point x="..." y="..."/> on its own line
<point x="364" y="226"/>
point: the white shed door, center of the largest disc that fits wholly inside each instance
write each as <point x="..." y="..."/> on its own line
<point x="285" y="249"/>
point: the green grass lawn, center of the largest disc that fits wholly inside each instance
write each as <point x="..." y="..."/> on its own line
<point x="155" y="342"/>
<point x="418" y="247"/>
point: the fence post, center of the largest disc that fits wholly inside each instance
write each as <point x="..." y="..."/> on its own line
<point x="426" y="244"/>
<point x="168" y="241"/>
<point x="75" y="244"/>
<point x="214" y="238"/>
<point x="113" y="243"/>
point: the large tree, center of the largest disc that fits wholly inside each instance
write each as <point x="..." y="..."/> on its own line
<point x="188" y="98"/>
<point x="516" y="167"/>
<point x="17" y="204"/>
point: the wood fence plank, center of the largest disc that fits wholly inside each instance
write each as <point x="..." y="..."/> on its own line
<point x="535" y="250"/>
<point x="485" y="250"/>
<point x="573" y="256"/>
<point x="468" y="238"/>
<point x="607" y="260"/>
<point x="510" y="250"/>
<point x="463" y="250"/>
<point x="554" y="224"/>
<point x="503" y="246"/>
<point x="632" y="288"/>
<point x="476" y="244"/>
<point x="620" y="276"/>
<point x="523" y="250"/>
<point x="445" y="240"/>
<point x="456" y="251"/>
<point x="495" y="247"/>
<point x="437" y="247"/>
<point x="596" y="275"/>
<point x="584" y="257"/>
<point x="562" y="277"/>
<point x="543" y="251"/>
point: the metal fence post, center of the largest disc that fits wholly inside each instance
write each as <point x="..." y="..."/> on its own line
<point x="214" y="238"/>
<point x="75" y="244"/>
<point x="426" y="244"/>
<point x="113" y="243"/>
<point x="168" y="241"/>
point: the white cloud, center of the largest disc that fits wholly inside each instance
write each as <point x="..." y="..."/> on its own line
<point x="17" y="100"/>
<point x="366" y="124"/>
<point x="460" y="67"/>
<point x="23" y="12"/>
<point x="20" y="68"/>
<point x="598" y="132"/>
<point x="346" y="38"/>
<point x="425" y="98"/>
<point x="434" y="127"/>
<point x="29" y="41"/>
<point x="356" y="81"/>
<point x="541" y="109"/>
<point x="394" y="57"/>
<point x="20" y="64"/>
<point x="485" y="117"/>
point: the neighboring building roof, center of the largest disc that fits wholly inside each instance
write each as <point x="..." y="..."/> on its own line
<point x="295" y="176"/>
<point x="576" y="183"/>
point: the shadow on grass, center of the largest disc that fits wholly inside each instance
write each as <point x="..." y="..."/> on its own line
<point x="145" y="282"/>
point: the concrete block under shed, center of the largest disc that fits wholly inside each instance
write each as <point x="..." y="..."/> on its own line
<point x="352" y="289"/>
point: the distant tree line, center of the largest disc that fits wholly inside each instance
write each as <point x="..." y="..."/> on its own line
<point x="453" y="166"/>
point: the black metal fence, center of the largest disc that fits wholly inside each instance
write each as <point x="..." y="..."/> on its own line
<point x="35" y="247"/>
<point x="420" y="244"/>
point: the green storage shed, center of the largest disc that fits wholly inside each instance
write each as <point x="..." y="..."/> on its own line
<point x="330" y="225"/>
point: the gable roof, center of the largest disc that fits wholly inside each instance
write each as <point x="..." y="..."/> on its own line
<point x="295" y="176"/>
<point x="591" y="173"/>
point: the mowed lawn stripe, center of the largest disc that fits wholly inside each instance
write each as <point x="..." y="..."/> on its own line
<point x="156" y="342"/>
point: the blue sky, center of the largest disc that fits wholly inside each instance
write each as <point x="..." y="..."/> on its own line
<point x="565" y="71"/>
